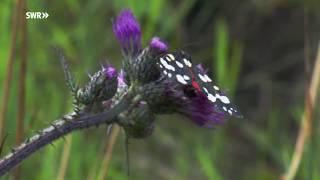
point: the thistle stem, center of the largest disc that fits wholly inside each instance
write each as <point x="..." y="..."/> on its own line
<point x="58" y="129"/>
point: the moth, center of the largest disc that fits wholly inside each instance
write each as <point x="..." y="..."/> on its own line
<point x="178" y="66"/>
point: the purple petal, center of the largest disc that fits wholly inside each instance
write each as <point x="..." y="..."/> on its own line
<point x="158" y="46"/>
<point x="127" y="30"/>
<point x="202" y="111"/>
<point x="109" y="71"/>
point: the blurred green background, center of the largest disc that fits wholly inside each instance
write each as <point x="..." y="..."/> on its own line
<point x="256" y="50"/>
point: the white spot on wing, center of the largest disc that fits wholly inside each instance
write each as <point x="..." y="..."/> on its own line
<point x="186" y="77"/>
<point x="166" y="65"/>
<point x="187" y="62"/>
<point x="169" y="75"/>
<point x="205" y="90"/>
<point x="181" y="79"/>
<point x="171" y="57"/>
<point x="179" y="64"/>
<point x="211" y="98"/>
<point x="216" y="88"/>
<point x="230" y="112"/>
<point x="224" y="99"/>
<point x="165" y="72"/>
<point x="202" y="78"/>
<point x="207" y="77"/>
<point x="224" y="108"/>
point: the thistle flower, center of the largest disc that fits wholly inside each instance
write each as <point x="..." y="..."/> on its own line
<point x="128" y="33"/>
<point x="162" y="95"/>
<point x="157" y="46"/>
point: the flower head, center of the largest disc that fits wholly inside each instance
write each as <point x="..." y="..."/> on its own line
<point x="109" y="71"/>
<point x="127" y="30"/>
<point x="161" y="95"/>
<point x="158" y="46"/>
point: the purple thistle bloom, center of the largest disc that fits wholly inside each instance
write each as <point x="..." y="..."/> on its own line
<point x="202" y="111"/>
<point x="127" y="30"/>
<point x="109" y="71"/>
<point x="158" y="46"/>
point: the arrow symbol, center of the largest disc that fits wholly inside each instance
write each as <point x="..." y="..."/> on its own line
<point x="45" y="15"/>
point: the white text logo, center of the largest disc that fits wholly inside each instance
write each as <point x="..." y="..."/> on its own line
<point x="37" y="15"/>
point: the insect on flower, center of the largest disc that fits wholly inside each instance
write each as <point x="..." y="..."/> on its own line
<point x="178" y="66"/>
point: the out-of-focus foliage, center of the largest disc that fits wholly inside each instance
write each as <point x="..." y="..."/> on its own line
<point x="254" y="50"/>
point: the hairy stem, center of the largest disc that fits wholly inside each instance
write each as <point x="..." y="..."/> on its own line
<point x="58" y="129"/>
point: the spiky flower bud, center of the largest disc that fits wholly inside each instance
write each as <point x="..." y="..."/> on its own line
<point x="110" y="84"/>
<point x="144" y="68"/>
<point x="140" y="121"/>
<point x="101" y="87"/>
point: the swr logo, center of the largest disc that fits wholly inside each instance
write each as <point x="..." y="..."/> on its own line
<point x="37" y="15"/>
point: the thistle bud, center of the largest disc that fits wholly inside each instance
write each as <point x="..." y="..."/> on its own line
<point x="157" y="46"/>
<point x="141" y="121"/>
<point x="101" y="87"/>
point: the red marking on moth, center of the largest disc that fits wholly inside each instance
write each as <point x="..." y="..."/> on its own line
<point x="196" y="85"/>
